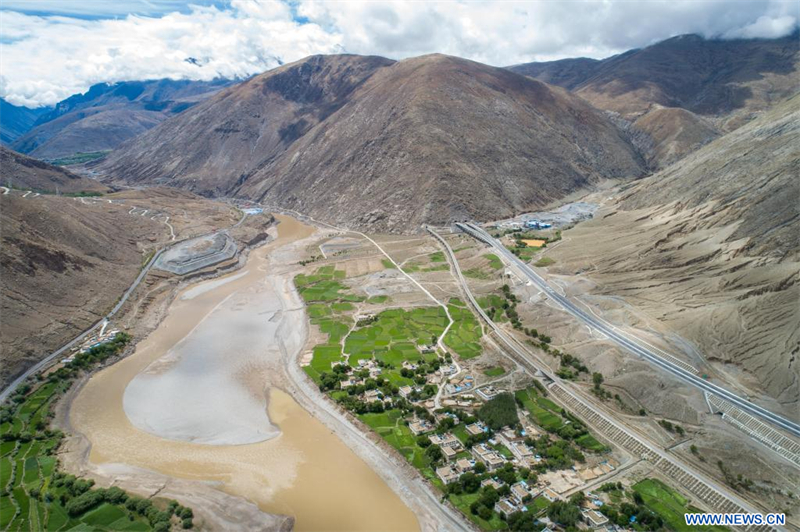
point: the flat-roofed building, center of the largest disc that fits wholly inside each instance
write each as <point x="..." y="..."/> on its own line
<point x="506" y="507"/>
<point x="447" y="474"/>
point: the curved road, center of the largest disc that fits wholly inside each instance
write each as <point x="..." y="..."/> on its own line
<point x="634" y="346"/>
<point x="47" y="360"/>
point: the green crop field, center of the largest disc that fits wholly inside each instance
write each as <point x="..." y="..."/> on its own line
<point x="669" y="504"/>
<point x="34" y="495"/>
<point x="465" y="334"/>
<point x="389" y="425"/>
<point x="463" y="503"/>
<point x="394" y="335"/>
<point x="587" y="441"/>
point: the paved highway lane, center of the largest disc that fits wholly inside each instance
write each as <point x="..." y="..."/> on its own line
<point x="633" y="345"/>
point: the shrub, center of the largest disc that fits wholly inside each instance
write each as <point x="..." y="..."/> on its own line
<point x="84" y="502"/>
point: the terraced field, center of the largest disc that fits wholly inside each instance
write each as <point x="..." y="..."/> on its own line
<point x="35" y="496"/>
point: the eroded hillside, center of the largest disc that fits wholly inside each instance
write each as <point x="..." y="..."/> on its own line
<point x="710" y="248"/>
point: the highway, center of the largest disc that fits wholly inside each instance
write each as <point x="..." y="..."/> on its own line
<point x="711" y="492"/>
<point x="632" y="345"/>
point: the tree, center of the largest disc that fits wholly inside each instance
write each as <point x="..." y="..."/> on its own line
<point x="446" y="424"/>
<point x="480" y="468"/>
<point x="577" y="498"/>
<point x="499" y="412"/>
<point x="423" y="441"/>
<point x="470" y="482"/>
<point x="564" y="513"/>
<point x="434" y="453"/>
<point x="597" y="379"/>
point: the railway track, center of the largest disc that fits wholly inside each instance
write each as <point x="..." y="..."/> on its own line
<point x="713" y="495"/>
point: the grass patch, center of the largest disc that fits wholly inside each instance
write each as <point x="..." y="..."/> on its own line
<point x="543" y="417"/>
<point x="437" y="257"/>
<point x="587" y="441"/>
<point x="494" y="372"/>
<point x="669" y="504"/>
<point x="465" y="500"/>
<point x="476" y="273"/>
<point x="494" y="261"/>
<point x="544" y="262"/>
<point x="80" y="158"/>
<point x="387" y="264"/>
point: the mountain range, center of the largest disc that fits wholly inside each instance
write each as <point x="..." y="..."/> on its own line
<point x="369" y="141"/>
<point x="683" y="92"/>
<point x="106" y="115"/>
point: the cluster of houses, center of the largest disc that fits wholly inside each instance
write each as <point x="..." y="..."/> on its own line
<point x="521" y="494"/>
<point x="528" y="224"/>
<point x="92" y="341"/>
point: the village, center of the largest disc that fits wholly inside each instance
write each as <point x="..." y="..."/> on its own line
<point x="514" y="462"/>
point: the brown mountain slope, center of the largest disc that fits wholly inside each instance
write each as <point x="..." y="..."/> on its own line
<point x="65" y="262"/>
<point x="710" y="247"/>
<point x="212" y="146"/>
<point x="710" y="77"/>
<point x="567" y="73"/>
<point x="367" y="141"/>
<point x="108" y="114"/>
<point x="675" y="133"/>
<point x="711" y="84"/>
<point x="20" y="171"/>
<point x="62" y="266"/>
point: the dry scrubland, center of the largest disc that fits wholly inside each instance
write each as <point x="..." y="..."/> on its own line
<point x="709" y="250"/>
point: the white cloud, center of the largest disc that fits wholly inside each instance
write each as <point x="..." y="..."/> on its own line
<point x="765" y="27"/>
<point x="48" y="58"/>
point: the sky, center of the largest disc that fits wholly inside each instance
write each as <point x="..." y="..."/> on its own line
<point x="52" y="49"/>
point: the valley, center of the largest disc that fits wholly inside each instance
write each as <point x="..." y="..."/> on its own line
<point x="410" y="293"/>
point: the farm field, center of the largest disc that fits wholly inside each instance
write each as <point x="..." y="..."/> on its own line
<point x="35" y="496"/>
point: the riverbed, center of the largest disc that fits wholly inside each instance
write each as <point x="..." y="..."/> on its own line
<point x="212" y="373"/>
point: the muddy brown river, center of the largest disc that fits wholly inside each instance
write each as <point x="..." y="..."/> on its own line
<point x="304" y="471"/>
